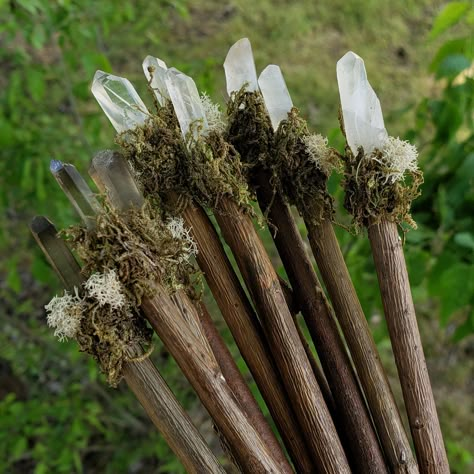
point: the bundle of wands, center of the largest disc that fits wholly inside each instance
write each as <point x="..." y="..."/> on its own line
<point x="142" y="237"/>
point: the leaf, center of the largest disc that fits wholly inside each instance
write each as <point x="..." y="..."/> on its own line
<point x="453" y="65"/>
<point x="465" y="239"/>
<point x="449" y="48"/>
<point x="449" y="16"/>
<point x="35" y="83"/>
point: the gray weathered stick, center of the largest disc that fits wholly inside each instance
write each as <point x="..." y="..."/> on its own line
<point x="141" y="376"/>
<point x="407" y="347"/>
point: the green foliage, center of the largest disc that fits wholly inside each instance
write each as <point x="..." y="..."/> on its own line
<point x="445" y="127"/>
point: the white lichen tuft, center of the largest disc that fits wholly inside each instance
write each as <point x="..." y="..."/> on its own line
<point x="399" y="156"/>
<point x="213" y="114"/>
<point x="317" y="149"/>
<point x="64" y="314"/>
<point x="179" y="231"/>
<point x="106" y="289"/>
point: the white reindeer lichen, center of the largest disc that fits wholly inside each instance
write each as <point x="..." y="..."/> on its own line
<point x="179" y="231"/>
<point x="213" y="114"/>
<point x="106" y="289"/>
<point x="317" y="149"/>
<point x="64" y="314"/>
<point x="398" y="156"/>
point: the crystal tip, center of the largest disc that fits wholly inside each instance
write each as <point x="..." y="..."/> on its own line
<point x="56" y="165"/>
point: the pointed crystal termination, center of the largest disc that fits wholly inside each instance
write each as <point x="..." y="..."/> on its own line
<point x="76" y="190"/>
<point x="155" y="70"/>
<point x="186" y="101"/>
<point x="239" y="67"/>
<point x="363" y="119"/>
<point x="111" y="173"/>
<point x="57" y="252"/>
<point x="119" y="101"/>
<point x="275" y="94"/>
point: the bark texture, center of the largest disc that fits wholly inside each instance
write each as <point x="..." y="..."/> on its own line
<point x="407" y="347"/>
<point x="348" y="310"/>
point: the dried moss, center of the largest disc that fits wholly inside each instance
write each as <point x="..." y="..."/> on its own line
<point x="371" y="195"/>
<point x="283" y="155"/>
<point x="139" y="246"/>
<point x="106" y="334"/>
<point x="303" y="179"/>
<point x="249" y="128"/>
<point x="203" y="170"/>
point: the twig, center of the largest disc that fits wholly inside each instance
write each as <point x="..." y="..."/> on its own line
<point x="246" y="330"/>
<point x="407" y="347"/>
<point x="348" y="310"/>
<point x="352" y="415"/>
<point x="286" y="347"/>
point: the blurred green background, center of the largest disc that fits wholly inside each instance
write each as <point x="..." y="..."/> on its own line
<point x="56" y="413"/>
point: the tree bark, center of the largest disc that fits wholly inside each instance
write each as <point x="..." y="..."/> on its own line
<point x="250" y="451"/>
<point x="247" y="332"/>
<point x="348" y="310"/>
<point x="407" y="347"/>
<point x="353" y="419"/>
<point x="283" y="338"/>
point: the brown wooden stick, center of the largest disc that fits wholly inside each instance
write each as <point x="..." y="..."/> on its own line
<point x="141" y="376"/>
<point x="250" y="451"/>
<point x="197" y="310"/>
<point x="361" y="444"/>
<point x="407" y="347"/>
<point x="247" y="332"/>
<point x="289" y="354"/>
<point x="348" y="310"/>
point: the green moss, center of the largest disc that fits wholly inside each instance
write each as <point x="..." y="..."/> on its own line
<point x="369" y="196"/>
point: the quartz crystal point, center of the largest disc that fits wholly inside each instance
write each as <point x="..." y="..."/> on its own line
<point x="363" y="119"/>
<point x="57" y="252"/>
<point x="186" y="101"/>
<point x="119" y="100"/>
<point x="239" y="67"/>
<point x="111" y="173"/>
<point x="76" y="190"/>
<point x="155" y="71"/>
<point x="275" y="94"/>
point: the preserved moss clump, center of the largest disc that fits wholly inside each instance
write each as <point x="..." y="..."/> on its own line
<point x="376" y="189"/>
<point x="203" y="170"/>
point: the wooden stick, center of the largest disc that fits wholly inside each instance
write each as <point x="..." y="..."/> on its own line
<point x="141" y="376"/>
<point x="407" y="347"/>
<point x="348" y="310"/>
<point x="361" y="441"/>
<point x="289" y="354"/>
<point x="110" y="173"/>
<point x="251" y="452"/>
<point x="246" y="330"/>
<point x="212" y="339"/>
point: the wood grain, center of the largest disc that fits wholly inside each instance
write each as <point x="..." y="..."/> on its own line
<point x="348" y="310"/>
<point x="251" y="452"/>
<point x="353" y="419"/>
<point x="247" y="332"/>
<point x="289" y="354"/>
<point x="407" y="347"/>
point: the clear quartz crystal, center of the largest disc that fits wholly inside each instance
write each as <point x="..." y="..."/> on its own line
<point x="239" y="67"/>
<point x="363" y="119"/>
<point x="119" y="100"/>
<point x="156" y="68"/>
<point x="186" y="101"/>
<point x="111" y="173"/>
<point x="76" y="189"/>
<point x="275" y="94"/>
